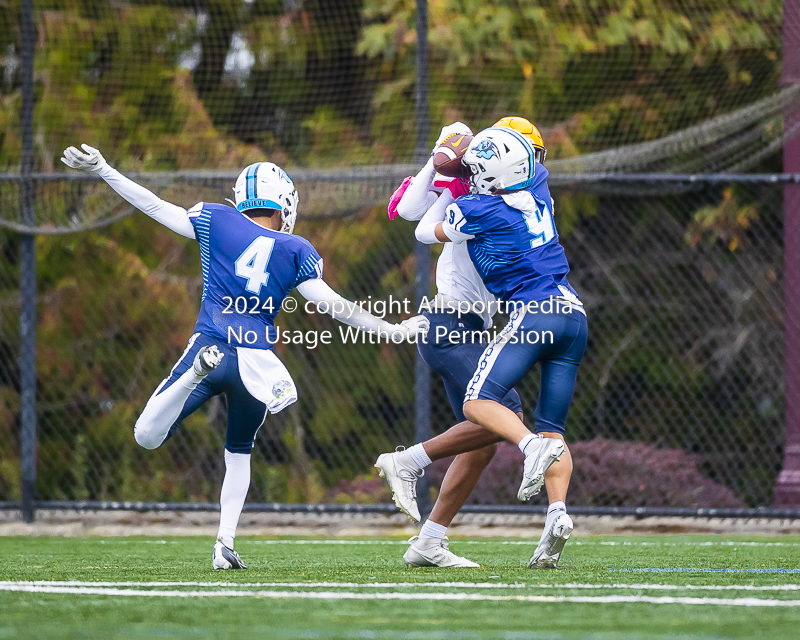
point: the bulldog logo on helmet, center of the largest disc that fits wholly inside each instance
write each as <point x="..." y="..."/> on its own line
<point x="487" y="149"/>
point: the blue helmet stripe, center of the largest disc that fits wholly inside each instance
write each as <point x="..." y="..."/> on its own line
<point x="255" y="179"/>
<point x="251" y="180"/>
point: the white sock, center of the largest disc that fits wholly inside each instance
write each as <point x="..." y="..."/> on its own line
<point x="418" y="455"/>
<point x="556" y="506"/>
<point x="526" y="440"/>
<point x="553" y="511"/>
<point x="234" y="491"/>
<point x="431" y="529"/>
<point x="163" y="409"/>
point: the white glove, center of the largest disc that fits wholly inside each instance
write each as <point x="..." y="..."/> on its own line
<point x="410" y="328"/>
<point x="91" y="161"/>
<point x="457" y="128"/>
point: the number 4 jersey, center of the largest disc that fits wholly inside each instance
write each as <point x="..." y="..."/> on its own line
<point x="512" y="241"/>
<point x="248" y="270"/>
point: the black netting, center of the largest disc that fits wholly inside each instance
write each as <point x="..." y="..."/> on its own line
<point x="680" y="398"/>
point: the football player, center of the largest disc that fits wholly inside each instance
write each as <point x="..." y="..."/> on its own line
<point x="457" y="281"/>
<point x="508" y="227"/>
<point x="250" y="262"/>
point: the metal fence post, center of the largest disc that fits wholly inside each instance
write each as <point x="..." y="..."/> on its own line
<point x="27" y="358"/>
<point x="422" y="374"/>
<point x="787" y="487"/>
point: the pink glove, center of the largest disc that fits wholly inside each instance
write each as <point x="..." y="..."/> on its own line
<point x="396" y="197"/>
<point x="458" y="187"/>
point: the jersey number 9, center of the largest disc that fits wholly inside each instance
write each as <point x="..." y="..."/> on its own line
<point x="252" y="263"/>
<point x="540" y="225"/>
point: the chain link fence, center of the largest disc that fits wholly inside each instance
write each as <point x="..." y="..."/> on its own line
<point x="680" y="399"/>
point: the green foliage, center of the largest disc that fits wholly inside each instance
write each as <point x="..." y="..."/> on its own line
<point x="621" y="71"/>
<point x="323" y="84"/>
<point x="726" y="222"/>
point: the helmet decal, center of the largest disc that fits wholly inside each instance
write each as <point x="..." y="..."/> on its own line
<point x="500" y="159"/>
<point x="487" y="150"/>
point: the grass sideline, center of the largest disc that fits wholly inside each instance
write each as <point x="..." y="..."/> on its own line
<point x="608" y="587"/>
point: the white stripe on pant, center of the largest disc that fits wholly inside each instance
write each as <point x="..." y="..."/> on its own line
<point x="492" y="352"/>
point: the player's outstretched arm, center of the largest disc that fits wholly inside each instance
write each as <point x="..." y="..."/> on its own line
<point x="170" y="215"/>
<point x="317" y="291"/>
<point x="418" y="197"/>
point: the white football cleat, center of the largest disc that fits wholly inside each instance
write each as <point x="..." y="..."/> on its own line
<point x="434" y="552"/>
<point x="402" y="481"/>
<point x="537" y="462"/>
<point x="226" y="558"/>
<point x="207" y="359"/>
<point x="552" y="543"/>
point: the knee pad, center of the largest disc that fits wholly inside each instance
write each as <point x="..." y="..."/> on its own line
<point x="144" y="436"/>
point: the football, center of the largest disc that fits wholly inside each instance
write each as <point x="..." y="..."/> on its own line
<point x="447" y="158"/>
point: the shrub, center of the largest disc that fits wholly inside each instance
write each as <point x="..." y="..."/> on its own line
<point x="608" y="473"/>
<point x="368" y="489"/>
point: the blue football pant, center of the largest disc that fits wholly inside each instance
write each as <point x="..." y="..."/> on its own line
<point x="556" y="341"/>
<point x="455" y="360"/>
<point x="169" y="406"/>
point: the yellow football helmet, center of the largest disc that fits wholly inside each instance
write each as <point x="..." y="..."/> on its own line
<point x="527" y="129"/>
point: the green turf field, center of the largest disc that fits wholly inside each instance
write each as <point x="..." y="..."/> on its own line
<point x="65" y="588"/>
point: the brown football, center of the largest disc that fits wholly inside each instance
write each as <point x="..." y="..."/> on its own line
<point x="447" y="159"/>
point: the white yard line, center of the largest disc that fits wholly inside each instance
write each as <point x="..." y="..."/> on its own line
<point x="344" y="542"/>
<point x="403" y="585"/>
<point x="343" y="595"/>
<point x="691" y="570"/>
<point x="525" y="543"/>
<point x="308" y="585"/>
<point x="645" y="543"/>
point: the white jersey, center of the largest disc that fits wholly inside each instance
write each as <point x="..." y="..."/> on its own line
<point x="456" y="277"/>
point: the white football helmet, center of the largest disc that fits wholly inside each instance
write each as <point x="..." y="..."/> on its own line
<point x="499" y="158"/>
<point x="264" y="185"/>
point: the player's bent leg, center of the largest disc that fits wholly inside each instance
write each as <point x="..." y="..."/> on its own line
<point x="460" y="480"/>
<point x="461" y="438"/>
<point x="496" y="418"/>
<point x="539" y="452"/>
<point x="455" y="362"/>
<point x="177" y="396"/>
<point x="403" y="468"/>
<point x="503" y="364"/>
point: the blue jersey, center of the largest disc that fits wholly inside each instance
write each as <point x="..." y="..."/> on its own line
<point x="248" y="270"/>
<point x="515" y="249"/>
